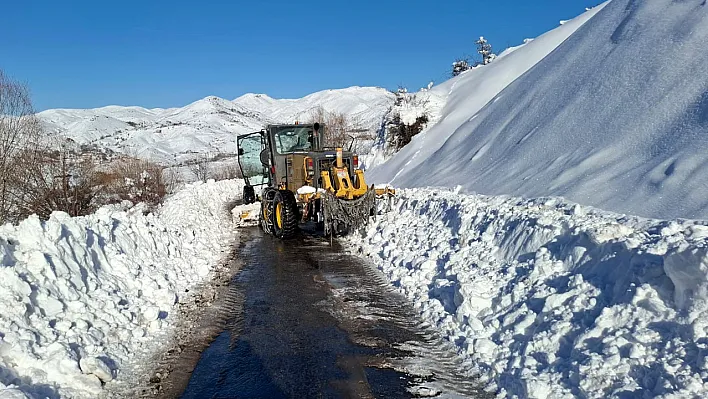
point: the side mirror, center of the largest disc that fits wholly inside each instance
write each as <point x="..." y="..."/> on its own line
<point x="265" y="158"/>
<point x="240" y="151"/>
<point x="317" y="127"/>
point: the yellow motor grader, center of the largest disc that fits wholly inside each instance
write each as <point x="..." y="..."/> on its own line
<point x="304" y="182"/>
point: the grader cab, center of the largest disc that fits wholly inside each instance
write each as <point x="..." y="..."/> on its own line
<point x="302" y="181"/>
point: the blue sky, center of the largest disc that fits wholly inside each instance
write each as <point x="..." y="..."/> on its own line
<point x="81" y="54"/>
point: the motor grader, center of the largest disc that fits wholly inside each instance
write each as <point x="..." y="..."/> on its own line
<point x="304" y="182"/>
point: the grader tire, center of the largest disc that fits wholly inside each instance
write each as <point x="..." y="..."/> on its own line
<point x="249" y="195"/>
<point x="285" y="215"/>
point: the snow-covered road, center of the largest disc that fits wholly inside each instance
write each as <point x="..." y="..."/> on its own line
<point x="88" y="300"/>
<point x="551" y="299"/>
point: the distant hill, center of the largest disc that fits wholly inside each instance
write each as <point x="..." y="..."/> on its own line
<point x="209" y="125"/>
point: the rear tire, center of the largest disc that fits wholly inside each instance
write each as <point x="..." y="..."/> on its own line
<point x="249" y="195"/>
<point x="285" y="214"/>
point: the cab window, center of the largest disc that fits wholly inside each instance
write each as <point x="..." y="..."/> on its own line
<point x="293" y="139"/>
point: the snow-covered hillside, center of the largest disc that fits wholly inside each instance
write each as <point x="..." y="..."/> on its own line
<point x="86" y="300"/>
<point x="614" y="117"/>
<point x="209" y="125"/>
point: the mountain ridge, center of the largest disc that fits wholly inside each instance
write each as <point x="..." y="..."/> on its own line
<point x="208" y="125"/>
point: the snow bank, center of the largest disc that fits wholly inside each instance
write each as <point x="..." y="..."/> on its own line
<point x="601" y="120"/>
<point x="85" y="297"/>
<point x="550" y="299"/>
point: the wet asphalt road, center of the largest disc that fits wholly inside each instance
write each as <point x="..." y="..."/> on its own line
<point x="319" y="324"/>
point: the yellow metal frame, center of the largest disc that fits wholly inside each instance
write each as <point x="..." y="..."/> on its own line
<point x="338" y="182"/>
<point x="343" y="186"/>
<point x="279" y="215"/>
<point x="385" y="192"/>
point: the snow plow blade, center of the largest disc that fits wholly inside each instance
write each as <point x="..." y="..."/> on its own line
<point x="246" y="215"/>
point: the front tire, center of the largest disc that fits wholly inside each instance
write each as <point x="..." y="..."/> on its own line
<point x="285" y="214"/>
<point x="249" y="195"/>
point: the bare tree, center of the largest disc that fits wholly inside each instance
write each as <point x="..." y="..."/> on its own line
<point x="53" y="179"/>
<point x="135" y="180"/>
<point x="172" y="179"/>
<point x="56" y="178"/>
<point x="18" y="128"/>
<point x="338" y="128"/>
<point x="201" y="167"/>
<point x="317" y="114"/>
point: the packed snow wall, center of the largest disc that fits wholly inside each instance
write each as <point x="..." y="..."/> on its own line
<point x="550" y="299"/>
<point x="84" y="299"/>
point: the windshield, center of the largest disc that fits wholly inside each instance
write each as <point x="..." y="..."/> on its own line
<point x="293" y="138"/>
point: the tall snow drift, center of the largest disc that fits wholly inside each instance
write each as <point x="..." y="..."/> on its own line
<point x="85" y="300"/>
<point x="615" y="117"/>
<point x="549" y="299"/>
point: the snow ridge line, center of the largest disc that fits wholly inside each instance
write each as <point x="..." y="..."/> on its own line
<point x="551" y="299"/>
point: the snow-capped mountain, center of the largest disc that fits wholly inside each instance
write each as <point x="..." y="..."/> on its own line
<point x="365" y="105"/>
<point x="209" y="125"/>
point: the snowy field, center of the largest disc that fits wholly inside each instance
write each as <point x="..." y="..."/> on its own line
<point x="551" y="299"/>
<point x="88" y="299"/>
